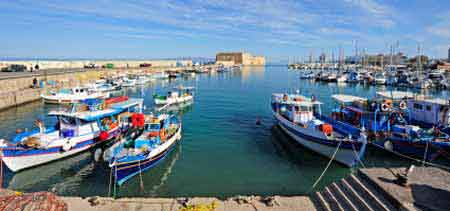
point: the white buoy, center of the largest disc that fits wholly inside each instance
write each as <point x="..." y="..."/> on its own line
<point x="388" y="145"/>
<point x="97" y="154"/>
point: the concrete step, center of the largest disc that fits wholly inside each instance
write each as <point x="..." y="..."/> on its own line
<point x="376" y="190"/>
<point x="374" y="199"/>
<point x="344" y="200"/>
<point x="323" y="205"/>
<point x="332" y="200"/>
<point x="357" y="199"/>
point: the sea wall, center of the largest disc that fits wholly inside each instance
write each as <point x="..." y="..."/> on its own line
<point x="66" y="64"/>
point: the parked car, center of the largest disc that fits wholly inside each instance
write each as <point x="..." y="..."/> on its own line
<point x="15" y="68"/>
<point x="145" y="65"/>
<point x="91" y="65"/>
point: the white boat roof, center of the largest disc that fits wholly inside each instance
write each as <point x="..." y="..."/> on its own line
<point x="342" y="98"/>
<point x="185" y="87"/>
<point x="115" y="108"/>
<point x="305" y="101"/>
<point x="396" y="95"/>
<point x="439" y="101"/>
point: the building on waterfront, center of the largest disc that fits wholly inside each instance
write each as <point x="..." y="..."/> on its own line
<point x="239" y="58"/>
<point x="67" y="64"/>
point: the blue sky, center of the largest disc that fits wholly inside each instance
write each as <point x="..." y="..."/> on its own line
<point x="168" y="29"/>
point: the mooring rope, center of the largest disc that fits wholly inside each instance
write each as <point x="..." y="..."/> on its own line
<point x="1" y="169"/>
<point x="141" y="182"/>
<point x="110" y="181"/>
<point x="115" y="180"/>
<point x="425" y="155"/>
<point x="328" y="165"/>
<point x="357" y="157"/>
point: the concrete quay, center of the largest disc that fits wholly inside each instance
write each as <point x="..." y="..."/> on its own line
<point x="371" y="189"/>
<point x="427" y="188"/>
<point x="16" y="88"/>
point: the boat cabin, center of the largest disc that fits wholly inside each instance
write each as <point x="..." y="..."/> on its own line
<point x="430" y="112"/>
<point x="296" y="108"/>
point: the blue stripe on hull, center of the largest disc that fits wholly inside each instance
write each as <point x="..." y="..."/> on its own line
<point x="128" y="170"/>
<point x="19" y="151"/>
<point x="416" y="149"/>
<point x="344" y="145"/>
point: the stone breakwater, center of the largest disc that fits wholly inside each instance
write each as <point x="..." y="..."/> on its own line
<point x="17" y="89"/>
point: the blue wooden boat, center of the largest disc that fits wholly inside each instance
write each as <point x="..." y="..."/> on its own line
<point x="134" y="156"/>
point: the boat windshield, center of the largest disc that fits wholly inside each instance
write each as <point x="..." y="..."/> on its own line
<point x="68" y="120"/>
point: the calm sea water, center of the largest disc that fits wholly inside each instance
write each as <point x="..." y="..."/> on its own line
<point x="222" y="153"/>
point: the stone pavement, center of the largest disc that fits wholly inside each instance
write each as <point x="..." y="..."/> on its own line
<point x="278" y="203"/>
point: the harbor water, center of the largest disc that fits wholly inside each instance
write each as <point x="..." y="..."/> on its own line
<point x="223" y="151"/>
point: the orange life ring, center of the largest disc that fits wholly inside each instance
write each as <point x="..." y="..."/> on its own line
<point x="162" y="134"/>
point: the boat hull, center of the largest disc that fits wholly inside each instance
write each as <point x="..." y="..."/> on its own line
<point x="348" y="154"/>
<point x="53" y="99"/>
<point x="20" y="159"/>
<point x="171" y="101"/>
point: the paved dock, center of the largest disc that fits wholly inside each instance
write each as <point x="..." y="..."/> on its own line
<point x="369" y="189"/>
<point x="428" y="188"/>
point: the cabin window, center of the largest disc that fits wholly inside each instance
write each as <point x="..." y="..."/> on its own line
<point x="297" y="108"/>
<point x="428" y="107"/>
<point x="68" y="120"/>
<point x="305" y="108"/>
<point x="418" y="106"/>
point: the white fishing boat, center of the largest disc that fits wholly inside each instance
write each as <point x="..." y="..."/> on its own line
<point x="342" y="78"/>
<point x="128" y="82"/>
<point x="178" y="95"/>
<point x="74" y="95"/>
<point x="380" y="79"/>
<point x="160" y="75"/>
<point x="142" y="80"/>
<point x="300" y="118"/>
<point x="86" y="125"/>
<point x="103" y="86"/>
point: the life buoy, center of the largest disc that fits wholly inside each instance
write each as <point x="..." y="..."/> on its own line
<point x="403" y="105"/>
<point x="388" y="145"/>
<point x="384" y="107"/>
<point x="66" y="146"/>
<point x="138" y="120"/>
<point x="103" y="136"/>
<point x="162" y="135"/>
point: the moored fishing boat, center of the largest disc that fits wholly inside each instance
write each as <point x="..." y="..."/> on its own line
<point x="84" y="126"/>
<point x="128" y="82"/>
<point x="380" y="79"/>
<point x="104" y="87"/>
<point x="142" y="80"/>
<point x="134" y="156"/>
<point x="74" y="95"/>
<point x="300" y="118"/>
<point x="388" y="127"/>
<point x="178" y="95"/>
<point x="160" y="75"/>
